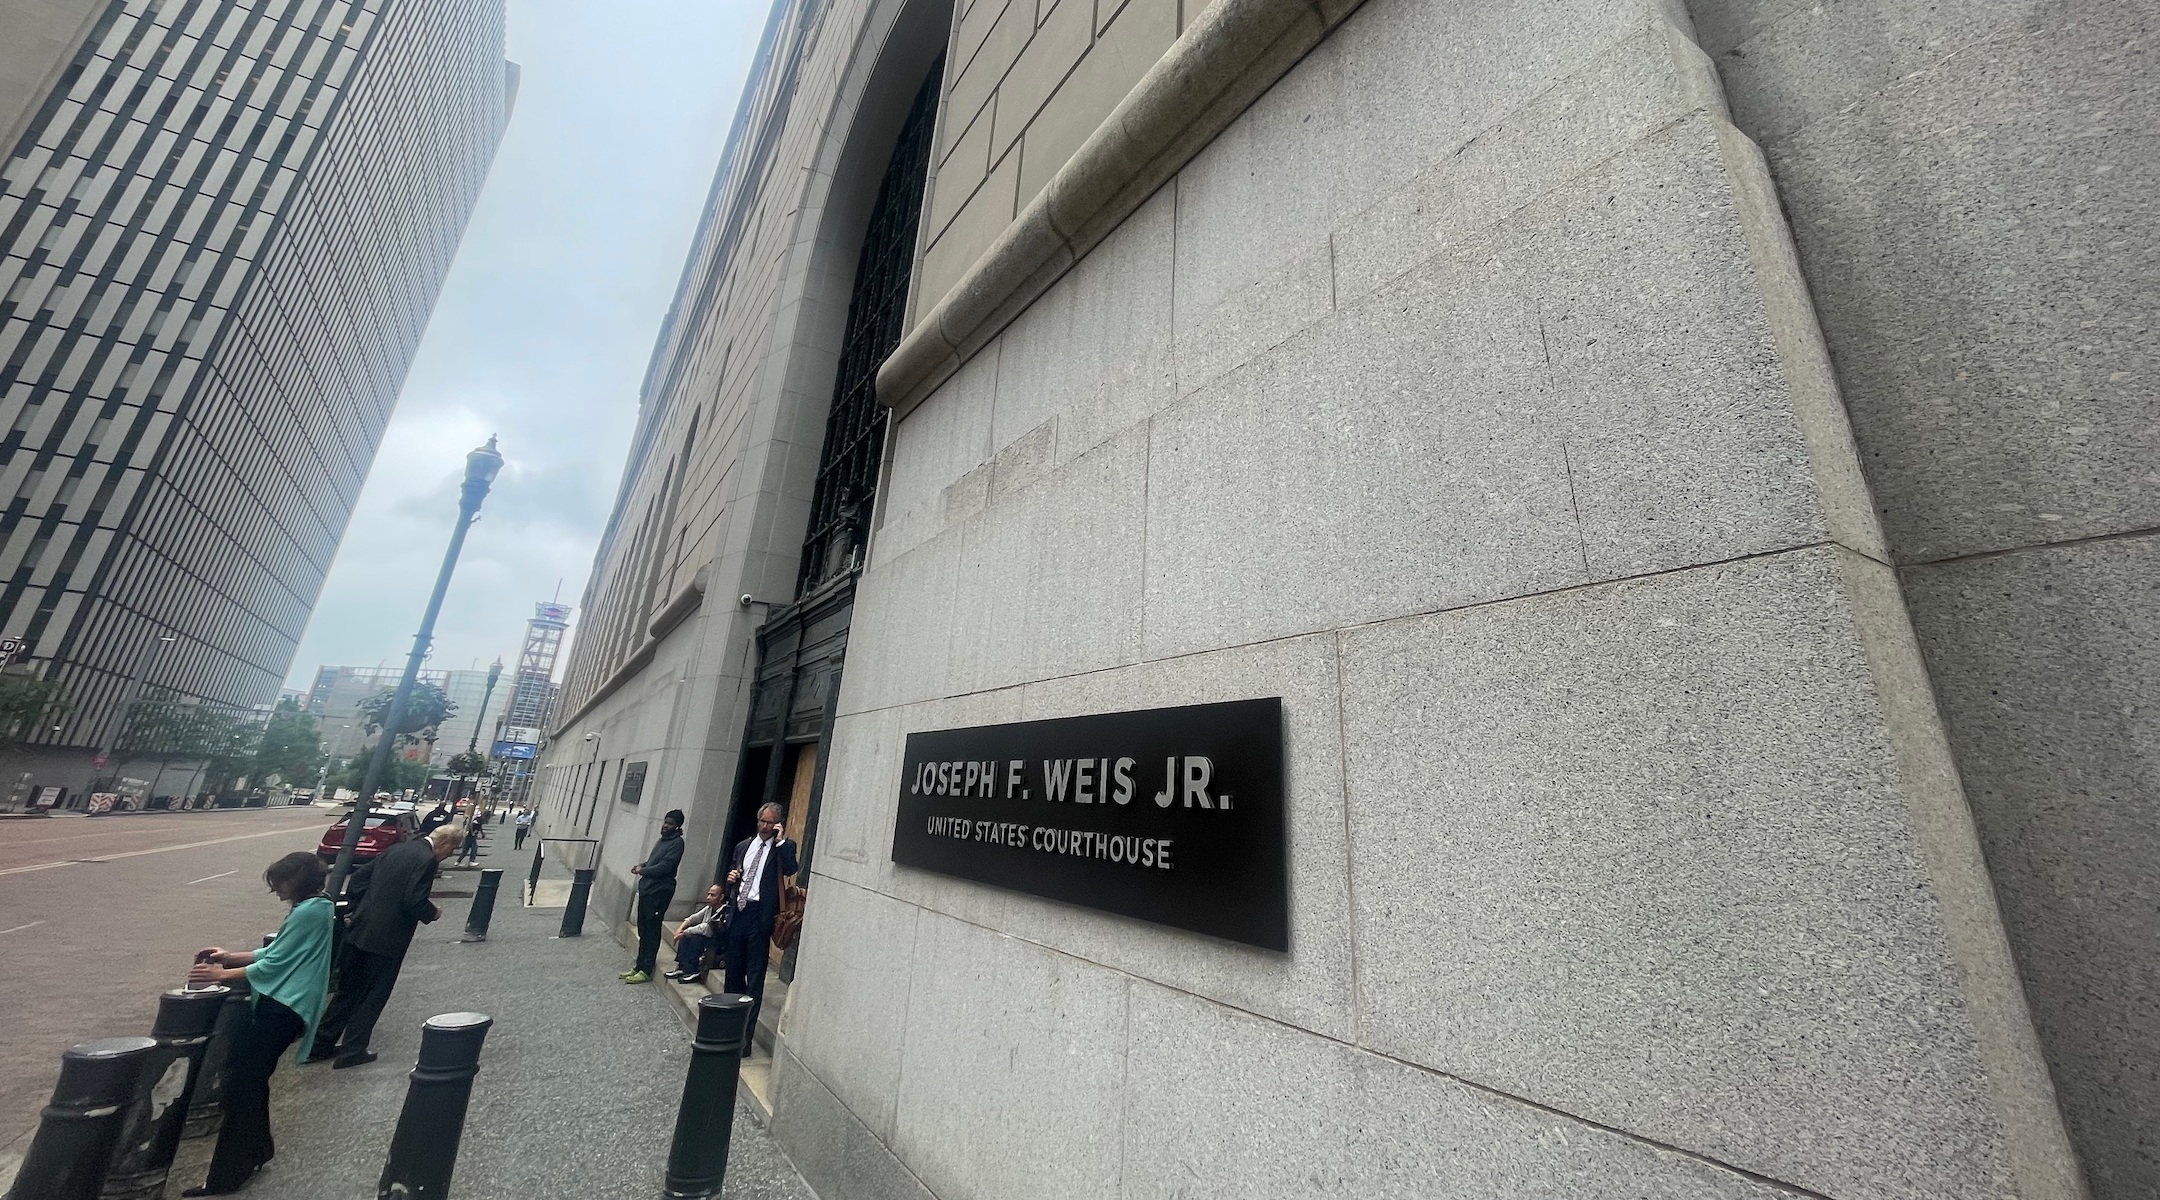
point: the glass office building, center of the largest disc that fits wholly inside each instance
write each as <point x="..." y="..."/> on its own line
<point x="221" y="234"/>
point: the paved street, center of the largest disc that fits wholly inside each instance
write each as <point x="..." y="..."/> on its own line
<point x="100" y="914"/>
<point x="579" y="1081"/>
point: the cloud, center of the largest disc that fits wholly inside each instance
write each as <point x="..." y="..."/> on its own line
<point x="543" y="328"/>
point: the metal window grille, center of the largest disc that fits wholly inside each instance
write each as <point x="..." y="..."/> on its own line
<point x="855" y="429"/>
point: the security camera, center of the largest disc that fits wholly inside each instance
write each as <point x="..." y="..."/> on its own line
<point x="747" y="600"/>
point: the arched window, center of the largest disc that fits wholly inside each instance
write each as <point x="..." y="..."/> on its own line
<point x="855" y="428"/>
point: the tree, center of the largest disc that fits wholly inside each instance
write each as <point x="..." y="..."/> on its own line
<point x="396" y="777"/>
<point x="428" y="707"/>
<point x="26" y="703"/>
<point x="230" y="746"/>
<point x="291" y="745"/>
<point x="464" y="765"/>
<point x="166" y="726"/>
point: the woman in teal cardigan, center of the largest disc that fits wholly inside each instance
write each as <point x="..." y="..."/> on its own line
<point x="289" y="979"/>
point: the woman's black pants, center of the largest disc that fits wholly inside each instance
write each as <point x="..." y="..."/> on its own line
<point x="244" y="1142"/>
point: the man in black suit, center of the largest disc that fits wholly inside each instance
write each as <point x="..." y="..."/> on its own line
<point x="376" y="937"/>
<point x="758" y="866"/>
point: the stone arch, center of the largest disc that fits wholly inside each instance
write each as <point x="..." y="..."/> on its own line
<point x="896" y="46"/>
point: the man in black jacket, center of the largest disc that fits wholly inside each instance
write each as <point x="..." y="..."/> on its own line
<point x="376" y="938"/>
<point x="758" y="865"/>
<point x="655" y="890"/>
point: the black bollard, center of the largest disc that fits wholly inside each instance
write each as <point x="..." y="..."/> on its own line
<point x="532" y="878"/>
<point x="144" y="1156"/>
<point x="573" y="917"/>
<point x="697" y="1162"/>
<point x="76" y="1133"/>
<point x="206" y="1110"/>
<point x="483" y="906"/>
<point x="424" y="1149"/>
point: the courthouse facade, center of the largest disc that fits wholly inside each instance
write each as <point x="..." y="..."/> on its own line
<point x="1681" y="474"/>
<point x="223" y="227"/>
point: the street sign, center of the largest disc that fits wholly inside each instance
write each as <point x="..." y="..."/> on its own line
<point x="11" y="649"/>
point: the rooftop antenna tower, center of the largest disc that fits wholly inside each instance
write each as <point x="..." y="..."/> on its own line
<point x="532" y="694"/>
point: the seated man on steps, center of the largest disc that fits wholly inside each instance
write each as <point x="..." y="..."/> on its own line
<point x="699" y="932"/>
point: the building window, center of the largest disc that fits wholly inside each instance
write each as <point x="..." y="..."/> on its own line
<point x="855" y="428"/>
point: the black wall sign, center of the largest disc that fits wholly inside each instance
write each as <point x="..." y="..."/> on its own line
<point x="1172" y="815"/>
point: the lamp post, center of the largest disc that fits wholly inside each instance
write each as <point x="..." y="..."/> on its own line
<point x="473" y="746"/>
<point x="481" y="467"/>
<point x="592" y="769"/>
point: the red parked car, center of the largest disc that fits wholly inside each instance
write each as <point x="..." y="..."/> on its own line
<point x="383" y="830"/>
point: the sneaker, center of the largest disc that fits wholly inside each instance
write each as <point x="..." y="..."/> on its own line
<point x="627" y="974"/>
<point x="637" y="977"/>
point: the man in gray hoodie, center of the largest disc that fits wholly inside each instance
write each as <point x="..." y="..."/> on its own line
<point x="655" y="891"/>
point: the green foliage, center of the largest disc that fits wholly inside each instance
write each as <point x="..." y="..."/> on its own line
<point x="428" y="707"/>
<point x="229" y="747"/>
<point x="291" y="745"/>
<point x="468" y="762"/>
<point x="26" y="700"/>
<point x="166" y="726"/>
<point x="397" y="774"/>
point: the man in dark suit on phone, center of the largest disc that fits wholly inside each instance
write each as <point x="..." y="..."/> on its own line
<point x="754" y="882"/>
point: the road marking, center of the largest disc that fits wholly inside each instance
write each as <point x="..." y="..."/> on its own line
<point x="208" y="878"/>
<point x="20" y="928"/>
<point x="148" y="829"/>
<point x="238" y="837"/>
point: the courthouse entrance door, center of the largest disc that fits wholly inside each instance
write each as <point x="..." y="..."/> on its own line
<point x="802" y="646"/>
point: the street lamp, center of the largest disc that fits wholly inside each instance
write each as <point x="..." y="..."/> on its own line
<point x="473" y="746"/>
<point x="590" y="769"/>
<point x="481" y="467"/>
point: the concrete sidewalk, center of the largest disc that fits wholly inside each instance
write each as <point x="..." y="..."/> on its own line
<point x="578" y="1085"/>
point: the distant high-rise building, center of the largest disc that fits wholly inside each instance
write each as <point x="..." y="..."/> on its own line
<point x="337" y="693"/>
<point x="223" y="224"/>
<point x="533" y="698"/>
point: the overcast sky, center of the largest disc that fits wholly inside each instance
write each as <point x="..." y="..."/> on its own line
<point x="543" y="329"/>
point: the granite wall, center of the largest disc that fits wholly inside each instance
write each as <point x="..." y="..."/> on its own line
<point x="723" y="464"/>
<point x="1466" y="393"/>
<point x="1027" y="82"/>
<point x="1972" y="187"/>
